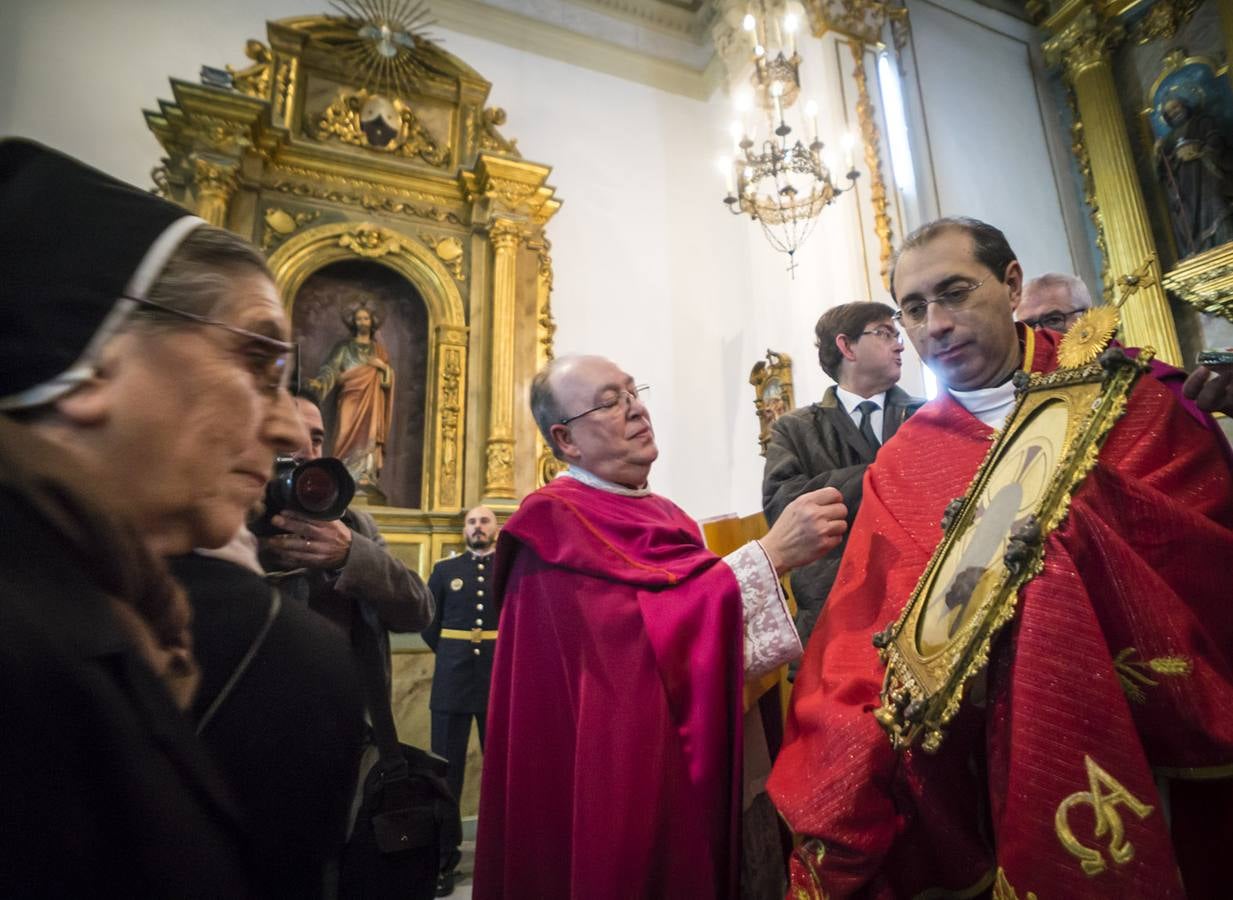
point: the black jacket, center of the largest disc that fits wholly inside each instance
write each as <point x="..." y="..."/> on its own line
<point x="462" y="586"/>
<point x="820" y="446"/>
<point x="104" y="789"/>
<point x="288" y="735"/>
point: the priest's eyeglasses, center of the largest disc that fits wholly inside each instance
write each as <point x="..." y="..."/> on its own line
<point x="886" y="334"/>
<point x="622" y="396"/>
<point x="913" y="312"/>
<point x="271" y="361"/>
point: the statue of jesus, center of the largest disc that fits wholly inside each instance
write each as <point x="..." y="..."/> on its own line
<point x="360" y="369"/>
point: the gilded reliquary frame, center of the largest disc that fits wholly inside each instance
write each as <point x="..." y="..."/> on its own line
<point x="773" y="392"/>
<point x="993" y="542"/>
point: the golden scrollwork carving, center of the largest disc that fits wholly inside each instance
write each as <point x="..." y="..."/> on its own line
<point x="1085" y="42"/>
<point x="773" y="392"/>
<point x="344" y="120"/>
<point x="451" y="412"/>
<point x="1104" y="795"/>
<point x="219" y="134"/>
<point x="859" y="19"/>
<point x="362" y="186"/>
<point x="489" y="137"/>
<point x="449" y="250"/>
<point x="548" y="466"/>
<point x="215" y="181"/>
<point x="512" y="194"/>
<point x="873" y="162"/>
<point x="370" y="241"/>
<point x="546" y="322"/>
<point x="283" y="80"/>
<point x="499" y="474"/>
<point x="1137" y="674"/>
<point x="1078" y="147"/>
<point x="372" y="203"/>
<point x="254" y="80"/>
<point x="281" y="224"/>
<point x="1205" y="281"/>
<point x="1163" y="19"/>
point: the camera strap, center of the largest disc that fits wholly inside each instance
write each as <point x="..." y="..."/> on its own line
<point x="276" y="604"/>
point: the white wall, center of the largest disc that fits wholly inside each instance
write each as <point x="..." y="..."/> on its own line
<point x="650" y="267"/>
<point x="987" y="136"/>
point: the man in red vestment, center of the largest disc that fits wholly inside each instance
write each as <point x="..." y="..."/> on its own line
<point x="613" y="759"/>
<point x="1106" y="710"/>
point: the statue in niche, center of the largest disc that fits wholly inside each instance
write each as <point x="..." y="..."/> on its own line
<point x="1193" y="153"/>
<point x="359" y="367"/>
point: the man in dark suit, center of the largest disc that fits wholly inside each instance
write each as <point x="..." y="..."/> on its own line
<point x="463" y="635"/>
<point x="830" y="443"/>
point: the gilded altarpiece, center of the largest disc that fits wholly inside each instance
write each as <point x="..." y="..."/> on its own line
<point x="324" y="156"/>
<point x="319" y="158"/>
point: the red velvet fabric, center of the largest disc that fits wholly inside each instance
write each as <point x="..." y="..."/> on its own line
<point x="1136" y="565"/>
<point x="613" y="754"/>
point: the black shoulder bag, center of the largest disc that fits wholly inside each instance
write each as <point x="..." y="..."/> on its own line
<point x="407" y="815"/>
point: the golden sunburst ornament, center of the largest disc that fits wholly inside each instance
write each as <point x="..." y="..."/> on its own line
<point x="387" y="35"/>
<point x="1088" y="337"/>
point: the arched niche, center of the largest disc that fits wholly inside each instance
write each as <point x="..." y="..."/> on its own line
<point x="316" y="250"/>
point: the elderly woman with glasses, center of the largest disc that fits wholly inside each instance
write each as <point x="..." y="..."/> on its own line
<point x="143" y="365"/>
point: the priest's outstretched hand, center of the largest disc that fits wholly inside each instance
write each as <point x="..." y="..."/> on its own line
<point x="809" y="527"/>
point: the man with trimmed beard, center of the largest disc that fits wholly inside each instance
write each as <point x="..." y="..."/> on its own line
<point x="463" y="636"/>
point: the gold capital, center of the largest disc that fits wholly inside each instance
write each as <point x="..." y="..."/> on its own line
<point x="1085" y="41"/>
<point x="1081" y="44"/>
<point x="216" y="182"/>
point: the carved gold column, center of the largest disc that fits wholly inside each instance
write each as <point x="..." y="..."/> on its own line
<point x="452" y="370"/>
<point x="873" y="161"/>
<point x="1081" y="43"/>
<point x="215" y="182"/>
<point x="499" y="471"/>
<point x="547" y="465"/>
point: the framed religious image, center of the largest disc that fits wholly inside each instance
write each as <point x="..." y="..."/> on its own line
<point x="993" y="541"/>
<point x="773" y="395"/>
<point x="1191" y="124"/>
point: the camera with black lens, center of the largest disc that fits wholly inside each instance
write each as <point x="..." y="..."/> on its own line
<point x="318" y="489"/>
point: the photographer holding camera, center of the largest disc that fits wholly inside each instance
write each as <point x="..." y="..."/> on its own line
<point x="341" y="568"/>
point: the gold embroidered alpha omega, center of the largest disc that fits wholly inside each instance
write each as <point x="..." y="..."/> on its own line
<point x="1104" y="797"/>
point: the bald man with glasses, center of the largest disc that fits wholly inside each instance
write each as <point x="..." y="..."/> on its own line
<point x="613" y="761"/>
<point x="830" y="443"/>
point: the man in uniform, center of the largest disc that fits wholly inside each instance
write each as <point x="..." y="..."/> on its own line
<point x="463" y="635"/>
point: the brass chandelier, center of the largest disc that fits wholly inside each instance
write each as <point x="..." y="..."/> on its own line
<point x="774" y="176"/>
